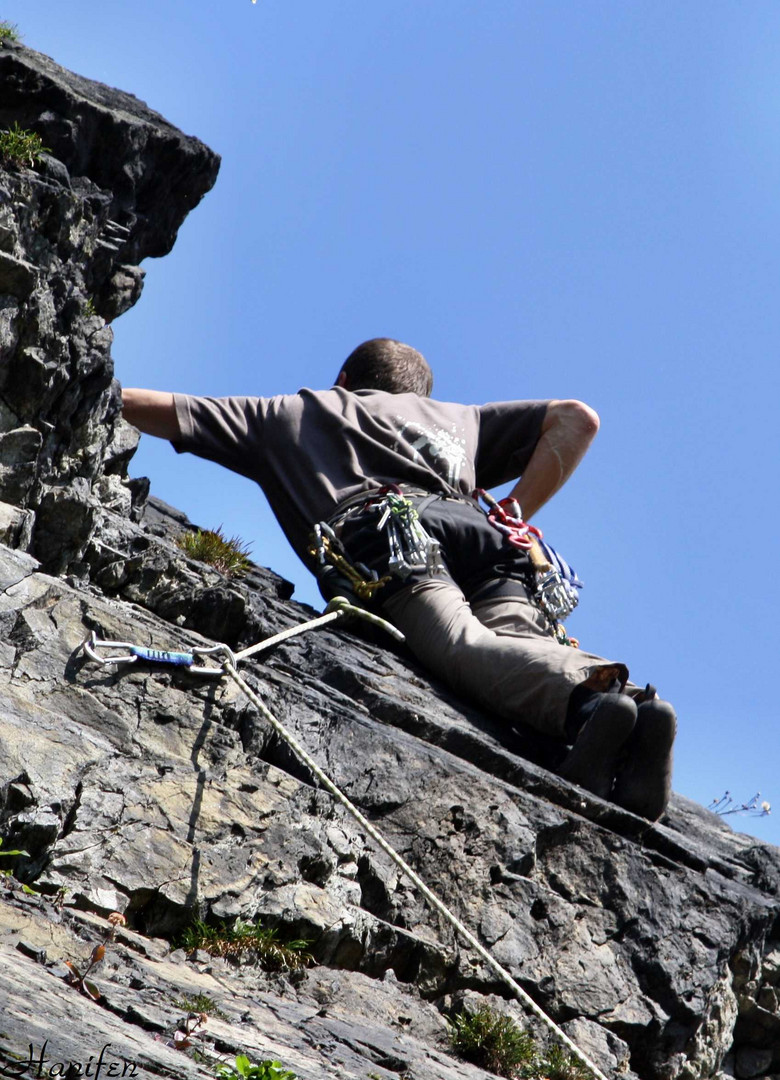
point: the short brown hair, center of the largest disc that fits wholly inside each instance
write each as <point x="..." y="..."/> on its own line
<point x="387" y="364"/>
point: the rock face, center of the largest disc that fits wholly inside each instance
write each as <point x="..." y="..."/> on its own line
<point x="115" y="187"/>
<point x="163" y="795"/>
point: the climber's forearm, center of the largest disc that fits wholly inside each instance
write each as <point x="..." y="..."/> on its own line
<point x="568" y="429"/>
<point x="152" y="411"/>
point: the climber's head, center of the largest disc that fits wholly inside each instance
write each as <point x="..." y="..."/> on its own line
<point x="386" y="364"/>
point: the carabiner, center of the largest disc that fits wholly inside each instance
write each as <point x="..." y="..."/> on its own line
<point x="173" y="658"/>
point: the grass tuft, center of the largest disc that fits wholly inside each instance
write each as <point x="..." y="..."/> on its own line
<point x="246" y="939"/>
<point x="560" y="1064"/>
<point x="200" y="1003"/>
<point x="228" y="556"/>
<point x="21" y="147"/>
<point x="9" y="32"/>
<point x="492" y="1041"/>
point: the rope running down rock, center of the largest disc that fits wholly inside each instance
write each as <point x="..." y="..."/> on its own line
<point x="337" y="609"/>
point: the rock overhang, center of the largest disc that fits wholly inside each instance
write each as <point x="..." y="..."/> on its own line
<point x="154" y="174"/>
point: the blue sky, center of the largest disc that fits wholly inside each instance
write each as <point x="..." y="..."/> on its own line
<point x="549" y="200"/>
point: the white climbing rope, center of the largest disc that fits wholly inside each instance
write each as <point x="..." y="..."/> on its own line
<point x="337" y="609"/>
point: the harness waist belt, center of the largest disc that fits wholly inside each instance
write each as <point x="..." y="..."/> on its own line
<point x="411" y="491"/>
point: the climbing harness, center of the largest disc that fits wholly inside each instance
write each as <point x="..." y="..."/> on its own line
<point x="410" y="547"/>
<point x="555" y="585"/>
<point x="337" y="609"/>
<point x="554" y="588"/>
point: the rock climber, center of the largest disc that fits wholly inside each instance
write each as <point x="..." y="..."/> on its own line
<point x="373" y="483"/>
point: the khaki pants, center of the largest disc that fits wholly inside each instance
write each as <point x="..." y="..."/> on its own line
<point x="498" y="652"/>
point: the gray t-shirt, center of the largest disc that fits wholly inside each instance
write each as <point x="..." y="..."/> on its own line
<point x="312" y="450"/>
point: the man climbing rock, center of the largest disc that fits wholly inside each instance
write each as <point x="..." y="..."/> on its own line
<point x="373" y="482"/>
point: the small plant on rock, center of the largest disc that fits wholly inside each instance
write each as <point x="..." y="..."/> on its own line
<point x="244" y="1069"/>
<point x="21" y="147"/>
<point x="77" y="977"/>
<point x="560" y="1064"/>
<point x="200" y="1004"/>
<point x="228" y="556"/>
<point x="726" y="805"/>
<point x="494" y="1042"/>
<point x="9" y="874"/>
<point x="246" y="939"/>
<point x="9" y="854"/>
<point x="8" y="32"/>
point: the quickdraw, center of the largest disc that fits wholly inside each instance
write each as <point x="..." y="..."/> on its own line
<point x="410" y="546"/>
<point x="506" y="516"/>
<point x="132" y="653"/>
<point x="338" y="608"/>
<point x="556" y="585"/>
<point x="329" y="551"/>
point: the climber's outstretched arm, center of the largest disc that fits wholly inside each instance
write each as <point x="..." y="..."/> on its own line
<point x="568" y="429"/>
<point x="152" y="411"/>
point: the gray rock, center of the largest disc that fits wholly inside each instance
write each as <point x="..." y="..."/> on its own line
<point x="609" y="1052"/>
<point x="752" y="1062"/>
<point x="9" y="336"/>
<point x="152" y="793"/>
<point x="121" y="292"/>
<point x="153" y="173"/>
<point x="19" y="451"/>
<point x="17" y="277"/>
<point x="16" y="526"/>
<point x="114" y="188"/>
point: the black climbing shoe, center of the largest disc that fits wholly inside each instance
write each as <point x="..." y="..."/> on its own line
<point x="643" y="785"/>
<point x="604" y="723"/>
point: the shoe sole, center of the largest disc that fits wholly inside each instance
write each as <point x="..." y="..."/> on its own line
<point x="592" y="761"/>
<point x="644" y="785"/>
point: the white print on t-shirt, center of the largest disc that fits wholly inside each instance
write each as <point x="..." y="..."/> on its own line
<point x="444" y="450"/>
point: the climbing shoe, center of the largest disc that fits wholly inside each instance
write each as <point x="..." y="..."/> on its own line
<point x="600" y="725"/>
<point x="644" y="783"/>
